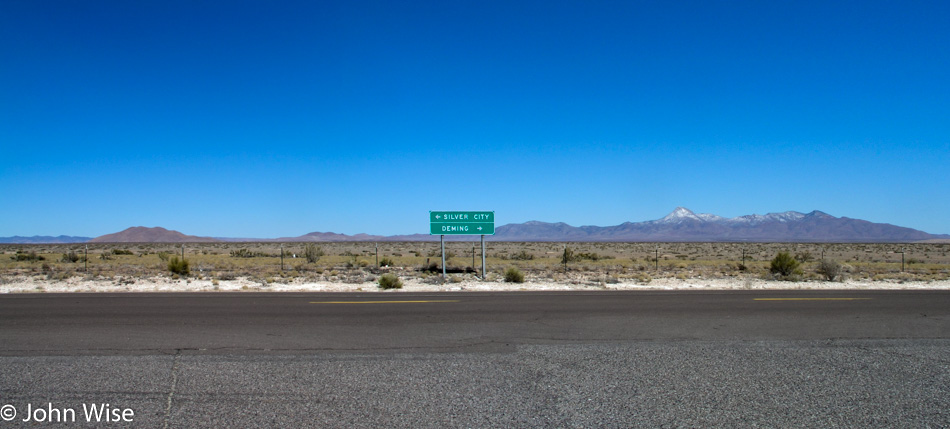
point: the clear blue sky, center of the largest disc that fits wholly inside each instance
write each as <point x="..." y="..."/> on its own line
<point x="269" y="119"/>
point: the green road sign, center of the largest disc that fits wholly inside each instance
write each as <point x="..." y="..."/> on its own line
<point x="461" y="223"/>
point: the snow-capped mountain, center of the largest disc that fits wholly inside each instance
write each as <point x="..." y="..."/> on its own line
<point x="684" y="225"/>
<point x="681" y="214"/>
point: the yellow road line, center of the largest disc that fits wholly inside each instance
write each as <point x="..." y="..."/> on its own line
<point x="382" y="302"/>
<point x="811" y="299"/>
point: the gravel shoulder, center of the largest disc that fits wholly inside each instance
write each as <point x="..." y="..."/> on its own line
<point x="26" y="284"/>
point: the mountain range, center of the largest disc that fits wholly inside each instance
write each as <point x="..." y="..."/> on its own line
<point x="685" y="225"/>
<point x="680" y="225"/>
<point x="43" y="239"/>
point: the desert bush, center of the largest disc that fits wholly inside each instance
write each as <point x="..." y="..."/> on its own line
<point x="242" y="253"/>
<point x="163" y="256"/>
<point x="71" y="257"/>
<point x="121" y="252"/>
<point x="386" y="262"/>
<point x="784" y="265"/>
<point x="568" y="256"/>
<point x="438" y="252"/>
<point x="522" y="256"/>
<point x="803" y="257"/>
<point x="514" y="275"/>
<point x="829" y="269"/>
<point x="389" y="281"/>
<point x="24" y="256"/>
<point x="313" y="253"/>
<point x="178" y="266"/>
<point x="429" y="267"/>
<point x="590" y="257"/>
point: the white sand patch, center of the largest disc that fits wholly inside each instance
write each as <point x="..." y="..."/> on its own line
<point x="36" y="284"/>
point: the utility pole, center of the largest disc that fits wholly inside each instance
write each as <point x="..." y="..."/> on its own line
<point x="377" y="254"/>
<point x="282" y="256"/>
<point x="85" y="260"/>
<point x="656" y="259"/>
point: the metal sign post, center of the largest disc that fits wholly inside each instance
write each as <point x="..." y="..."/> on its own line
<point x="483" y="257"/>
<point x="442" y="241"/>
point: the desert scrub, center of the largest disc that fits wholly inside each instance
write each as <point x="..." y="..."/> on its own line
<point x="784" y="265"/>
<point x="24" y="256"/>
<point x="389" y="281"/>
<point x="514" y="275"/>
<point x="70" y="257"/>
<point x="829" y="269"/>
<point x="247" y="253"/>
<point x="313" y="253"/>
<point x="178" y="266"/>
<point x="522" y="256"/>
<point x="568" y="256"/>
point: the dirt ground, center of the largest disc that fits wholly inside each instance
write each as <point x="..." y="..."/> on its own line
<point x="122" y="267"/>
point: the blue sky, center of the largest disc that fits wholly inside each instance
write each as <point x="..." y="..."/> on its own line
<point x="271" y="119"/>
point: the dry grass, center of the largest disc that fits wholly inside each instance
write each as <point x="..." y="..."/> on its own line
<point x="356" y="262"/>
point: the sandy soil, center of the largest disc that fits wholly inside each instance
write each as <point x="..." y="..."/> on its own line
<point x="164" y="284"/>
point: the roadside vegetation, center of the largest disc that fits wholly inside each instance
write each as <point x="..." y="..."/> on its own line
<point x="594" y="264"/>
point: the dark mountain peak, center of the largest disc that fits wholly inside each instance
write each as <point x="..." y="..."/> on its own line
<point x="820" y="215"/>
<point x="141" y="234"/>
<point x="540" y="223"/>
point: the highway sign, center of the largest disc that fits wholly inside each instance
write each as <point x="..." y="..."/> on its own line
<point x="461" y="223"/>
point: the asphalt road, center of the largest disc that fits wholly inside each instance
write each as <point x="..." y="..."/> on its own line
<point x="604" y="359"/>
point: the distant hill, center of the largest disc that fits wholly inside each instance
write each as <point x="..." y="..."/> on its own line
<point x="332" y="236"/>
<point x="141" y="234"/>
<point x="43" y="239"/>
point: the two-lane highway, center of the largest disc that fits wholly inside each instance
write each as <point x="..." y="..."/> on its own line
<point x="602" y="359"/>
<point x="119" y="323"/>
